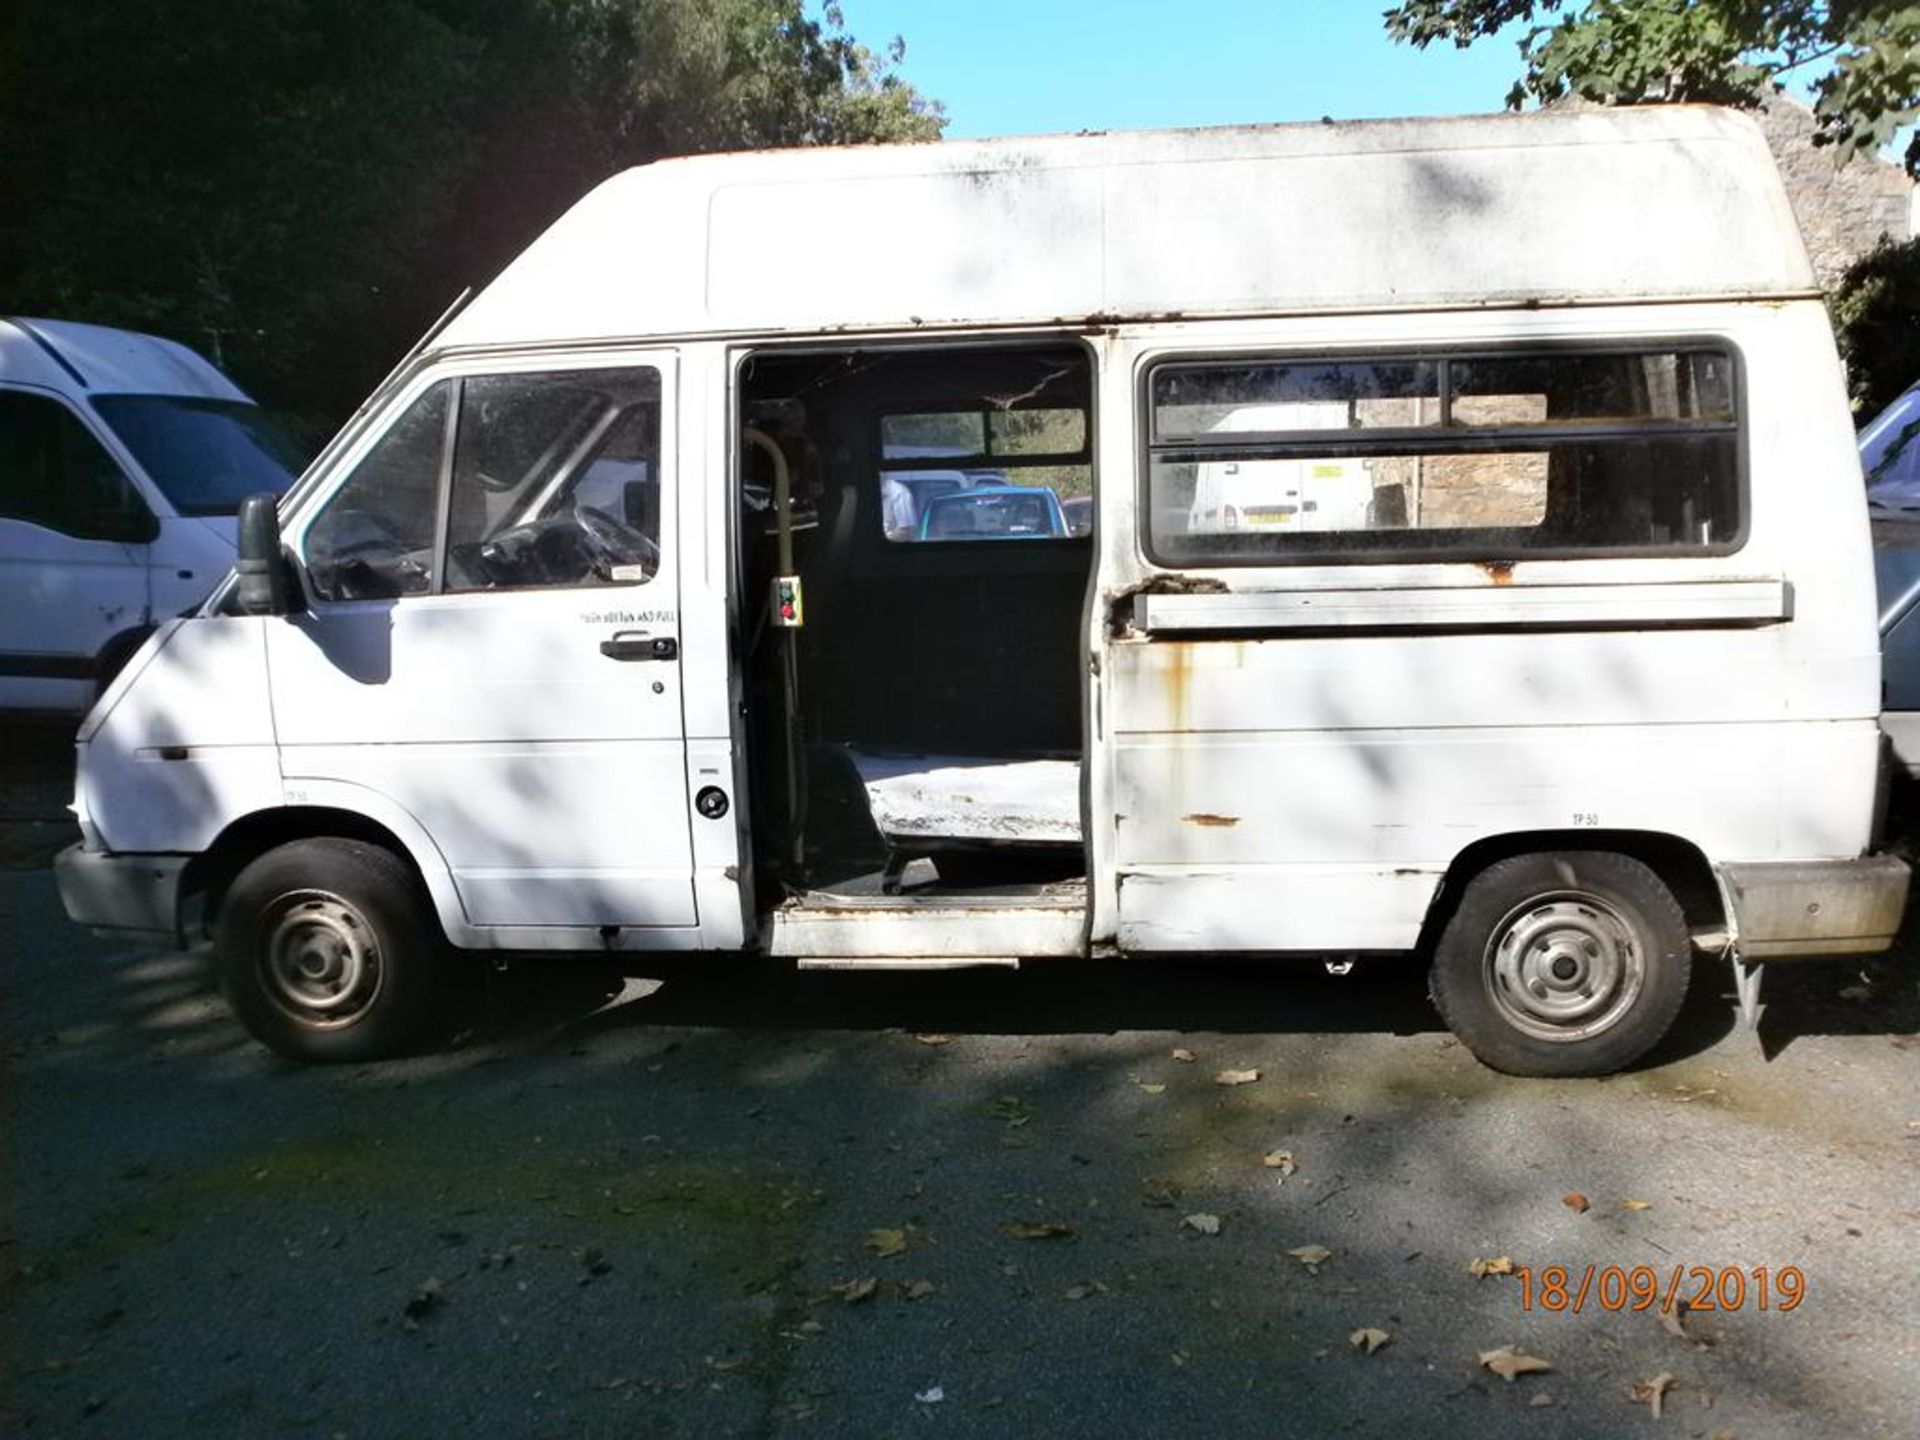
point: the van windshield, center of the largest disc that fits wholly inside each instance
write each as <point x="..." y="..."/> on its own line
<point x="205" y="455"/>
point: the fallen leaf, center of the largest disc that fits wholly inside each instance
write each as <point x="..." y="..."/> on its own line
<point x="1651" y="1392"/>
<point x="809" y="1327"/>
<point x="1236" y="1077"/>
<point x="1576" y="1202"/>
<point x="934" y="1039"/>
<point x="1040" y="1230"/>
<point x="1206" y="1224"/>
<point x="1013" y="1110"/>
<point x="1186" y="1057"/>
<point x="1508" y="1362"/>
<point x="1856" y="993"/>
<point x="1160" y="1191"/>
<point x="1368" y="1339"/>
<point x="886" y="1243"/>
<point x="1636" y="1204"/>
<point x="1077" y="1292"/>
<point x="919" y="1290"/>
<point x="1312" y="1256"/>
<point x="1281" y="1160"/>
<point x="930" y="1397"/>
<point x="854" y="1291"/>
<point x="1154" y="1089"/>
<point x="1670" y="1321"/>
<point x="1480" y="1269"/>
<point x="1179" y="1357"/>
<point x="1541" y="1401"/>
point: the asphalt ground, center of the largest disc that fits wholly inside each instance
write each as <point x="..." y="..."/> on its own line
<point x="726" y="1199"/>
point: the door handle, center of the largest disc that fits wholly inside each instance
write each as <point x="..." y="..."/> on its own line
<point x="634" y="646"/>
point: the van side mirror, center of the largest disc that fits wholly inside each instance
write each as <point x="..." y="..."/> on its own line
<point x="261" y="568"/>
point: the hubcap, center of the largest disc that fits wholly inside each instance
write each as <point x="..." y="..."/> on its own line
<point x="322" y="963"/>
<point x="1564" y="967"/>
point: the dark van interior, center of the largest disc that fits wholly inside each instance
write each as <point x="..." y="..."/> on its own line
<point x="917" y="736"/>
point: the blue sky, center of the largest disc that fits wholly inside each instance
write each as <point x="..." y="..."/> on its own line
<point x="1014" y="67"/>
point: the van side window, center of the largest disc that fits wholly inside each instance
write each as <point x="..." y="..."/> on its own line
<point x="1446" y="456"/>
<point x="53" y="473"/>
<point x="375" y="538"/>
<point x="554" y="481"/>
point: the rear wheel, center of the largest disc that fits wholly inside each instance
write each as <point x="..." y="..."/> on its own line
<point x="327" y="951"/>
<point x="1562" y="963"/>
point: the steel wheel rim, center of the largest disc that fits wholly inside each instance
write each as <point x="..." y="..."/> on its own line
<point x="1564" y="967"/>
<point x="321" y="965"/>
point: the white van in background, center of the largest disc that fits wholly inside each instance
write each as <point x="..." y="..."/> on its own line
<point x="122" y="458"/>
<point x="1327" y="492"/>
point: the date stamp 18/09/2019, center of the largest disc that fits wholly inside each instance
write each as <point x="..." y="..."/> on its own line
<point x="1559" y="1289"/>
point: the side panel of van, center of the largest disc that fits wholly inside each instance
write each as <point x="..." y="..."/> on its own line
<point x="73" y="561"/>
<point x="1305" y="732"/>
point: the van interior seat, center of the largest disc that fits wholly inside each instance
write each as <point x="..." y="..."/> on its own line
<point x="923" y="803"/>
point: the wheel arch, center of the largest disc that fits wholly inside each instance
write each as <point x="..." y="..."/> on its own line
<point x="365" y="817"/>
<point x="1680" y="864"/>
<point x="112" y="657"/>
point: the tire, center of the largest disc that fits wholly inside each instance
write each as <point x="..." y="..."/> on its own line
<point x="328" y="951"/>
<point x="1562" y="963"/>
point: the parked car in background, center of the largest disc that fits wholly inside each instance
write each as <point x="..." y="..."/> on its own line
<point x="1896" y="570"/>
<point x="122" y="459"/>
<point x="995" y="512"/>
<point x="1890" y="454"/>
<point x="1890" y="457"/>
<point x="906" y="494"/>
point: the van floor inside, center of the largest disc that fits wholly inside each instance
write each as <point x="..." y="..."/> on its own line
<point x="920" y="889"/>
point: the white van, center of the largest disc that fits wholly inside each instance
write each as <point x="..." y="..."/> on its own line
<point x="1605" y="697"/>
<point x="122" y="457"/>
<point x="1322" y="492"/>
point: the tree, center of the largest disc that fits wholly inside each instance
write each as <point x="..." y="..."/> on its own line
<point x="1876" y="319"/>
<point x="299" y="186"/>
<point x="1866" y="54"/>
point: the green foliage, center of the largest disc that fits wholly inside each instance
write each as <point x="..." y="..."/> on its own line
<point x="1876" y="317"/>
<point x="1724" y="51"/>
<point x="299" y="186"/>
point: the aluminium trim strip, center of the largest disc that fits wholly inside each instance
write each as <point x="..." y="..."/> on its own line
<point x="1686" y="602"/>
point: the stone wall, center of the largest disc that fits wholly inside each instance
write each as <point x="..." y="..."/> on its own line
<point x="1844" y="210"/>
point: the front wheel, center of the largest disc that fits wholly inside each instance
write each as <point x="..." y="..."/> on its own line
<point x="1562" y="963"/>
<point x="327" y="951"/>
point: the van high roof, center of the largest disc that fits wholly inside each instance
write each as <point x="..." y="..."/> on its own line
<point x="1558" y="208"/>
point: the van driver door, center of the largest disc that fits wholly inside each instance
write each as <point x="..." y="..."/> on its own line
<point x="492" y="642"/>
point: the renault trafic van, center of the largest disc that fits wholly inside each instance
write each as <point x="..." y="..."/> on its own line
<point x="122" y="457"/>
<point x="592" y="633"/>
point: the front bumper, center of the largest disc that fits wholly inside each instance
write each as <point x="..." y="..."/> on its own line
<point x="1815" y="907"/>
<point x="131" y="897"/>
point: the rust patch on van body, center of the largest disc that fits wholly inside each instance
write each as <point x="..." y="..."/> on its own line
<point x="1179" y="676"/>
<point x="1178" y="585"/>
<point x="1499" y="571"/>
<point x="1213" y="822"/>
